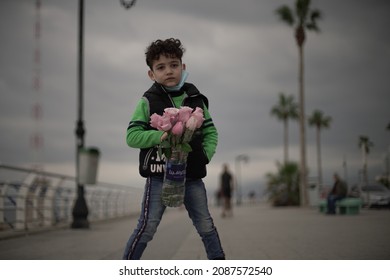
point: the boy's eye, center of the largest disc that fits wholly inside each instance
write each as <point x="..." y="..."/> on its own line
<point x="160" y="68"/>
<point x="174" y="65"/>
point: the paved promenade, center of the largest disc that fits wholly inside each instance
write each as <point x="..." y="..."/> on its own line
<point x="255" y="232"/>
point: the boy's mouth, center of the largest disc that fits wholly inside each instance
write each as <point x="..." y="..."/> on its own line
<point x="170" y="79"/>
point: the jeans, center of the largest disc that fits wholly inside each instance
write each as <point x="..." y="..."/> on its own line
<point x="332" y="199"/>
<point x="195" y="201"/>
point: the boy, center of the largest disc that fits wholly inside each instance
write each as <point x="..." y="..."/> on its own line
<point x="166" y="69"/>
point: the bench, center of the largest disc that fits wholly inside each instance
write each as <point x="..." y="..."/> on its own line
<point x="346" y="206"/>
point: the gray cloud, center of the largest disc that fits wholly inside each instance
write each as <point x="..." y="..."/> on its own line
<point x="238" y="54"/>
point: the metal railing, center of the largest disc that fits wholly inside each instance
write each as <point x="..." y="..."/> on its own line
<point x="31" y="199"/>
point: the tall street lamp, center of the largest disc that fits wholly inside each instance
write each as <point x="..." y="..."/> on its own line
<point x="243" y="158"/>
<point x="128" y="4"/>
<point x="80" y="209"/>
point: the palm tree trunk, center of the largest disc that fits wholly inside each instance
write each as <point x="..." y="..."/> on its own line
<point x="364" y="156"/>
<point x="303" y="174"/>
<point x="319" y="158"/>
<point x="285" y="141"/>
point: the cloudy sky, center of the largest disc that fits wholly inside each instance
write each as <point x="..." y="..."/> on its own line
<point x="238" y="54"/>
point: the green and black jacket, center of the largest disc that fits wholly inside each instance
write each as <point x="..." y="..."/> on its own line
<point x="141" y="135"/>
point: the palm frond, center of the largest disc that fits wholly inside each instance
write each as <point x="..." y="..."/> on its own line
<point x="312" y="24"/>
<point x="285" y="14"/>
<point x="319" y="120"/>
<point x="365" y="143"/>
<point x="302" y="10"/>
<point x="315" y="15"/>
<point x="286" y="108"/>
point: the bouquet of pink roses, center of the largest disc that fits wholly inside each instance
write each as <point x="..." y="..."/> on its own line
<point x="180" y="124"/>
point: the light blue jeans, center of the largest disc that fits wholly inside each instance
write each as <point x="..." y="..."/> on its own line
<point x="195" y="202"/>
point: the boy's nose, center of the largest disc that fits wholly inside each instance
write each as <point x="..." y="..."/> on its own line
<point x="169" y="70"/>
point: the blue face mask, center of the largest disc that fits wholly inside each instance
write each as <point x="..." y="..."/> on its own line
<point x="184" y="75"/>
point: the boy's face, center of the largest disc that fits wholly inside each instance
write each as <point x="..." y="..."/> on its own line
<point x="166" y="71"/>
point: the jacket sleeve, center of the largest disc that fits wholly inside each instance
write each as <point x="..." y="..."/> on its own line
<point x="210" y="135"/>
<point x="137" y="135"/>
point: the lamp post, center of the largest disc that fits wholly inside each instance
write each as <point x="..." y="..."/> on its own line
<point x="128" y="4"/>
<point x="237" y="166"/>
<point x="80" y="209"/>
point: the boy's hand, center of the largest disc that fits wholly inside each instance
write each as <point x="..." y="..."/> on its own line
<point x="164" y="136"/>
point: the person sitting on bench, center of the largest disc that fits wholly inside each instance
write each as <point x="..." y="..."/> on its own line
<point x="338" y="192"/>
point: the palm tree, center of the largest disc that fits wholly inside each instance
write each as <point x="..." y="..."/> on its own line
<point x="303" y="18"/>
<point x="284" y="110"/>
<point x="320" y="121"/>
<point x="283" y="186"/>
<point x="365" y="144"/>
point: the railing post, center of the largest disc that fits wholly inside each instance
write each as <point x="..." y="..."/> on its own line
<point x="71" y="197"/>
<point x="33" y="196"/>
<point x="3" y="191"/>
<point x="21" y="199"/>
<point x="120" y="201"/>
<point x="100" y="197"/>
<point x="93" y="201"/>
<point x="48" y="203"/>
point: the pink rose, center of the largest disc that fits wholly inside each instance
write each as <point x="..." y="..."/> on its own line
<point x="185" y="113"/>
<point x="198" y="115"/>
<point x="155" y="120"/>
<point x="165" y="123"/>
<point x="192" y="123"/>
<point x="171" y="112"/>
<point x="177" y="129"/>
<point x="160" y="122"/>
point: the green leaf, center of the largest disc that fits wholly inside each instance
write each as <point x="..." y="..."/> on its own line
<point x="185" y="147"/>
<point x="165" y="144"/>
<point x="167" y="152"/>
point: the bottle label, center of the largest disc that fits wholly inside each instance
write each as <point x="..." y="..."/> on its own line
<point x="175" y="171"/>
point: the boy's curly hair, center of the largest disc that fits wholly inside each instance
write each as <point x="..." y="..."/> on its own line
<point x="170" y="47"/>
